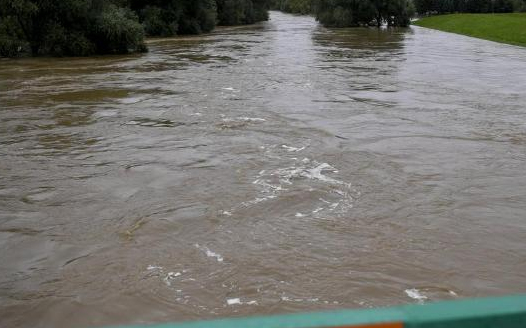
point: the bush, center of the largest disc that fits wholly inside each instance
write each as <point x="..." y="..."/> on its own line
<point x="345" y="13"/>
<point x="236" y="12"/>
<point x="159" y="22"/>
<point x="117" y="30"/>
<point x="12" y="40"/>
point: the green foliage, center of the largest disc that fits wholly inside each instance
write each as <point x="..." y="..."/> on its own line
<point x="235" y="12"/>
<point x="12" y="41"/>
<point x="293" y="6"/>
<point x="345" y="13"/>
<point x="199" y="16"/>
<point x="67" y="28"/>
<point x="157" y="21"/>
<point x="86" y="27"/>
<point x="519" y="5"/>
<point x="117" y="30"/>
<point x="467" y="6"/>
<point x="506" y="28"/>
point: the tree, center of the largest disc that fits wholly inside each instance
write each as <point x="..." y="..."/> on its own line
<point x="345" y="13"/>
<point x="68" y="28"/>
<point x="293" y="6"/>
<point x="236" y="12"/>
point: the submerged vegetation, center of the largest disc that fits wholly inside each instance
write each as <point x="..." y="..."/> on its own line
<point x="345" y="13"/>
<point x="87" y="27"/>
<point x="348" y="13"/>
<point x="506" y="28"/>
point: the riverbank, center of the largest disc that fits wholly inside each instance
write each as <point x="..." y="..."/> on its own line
<point x="504" y="28"/>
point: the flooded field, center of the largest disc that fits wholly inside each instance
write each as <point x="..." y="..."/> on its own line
<point x="274" y="168"/>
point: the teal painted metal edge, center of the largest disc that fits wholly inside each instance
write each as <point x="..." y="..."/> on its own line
<point x="500" y="312"/>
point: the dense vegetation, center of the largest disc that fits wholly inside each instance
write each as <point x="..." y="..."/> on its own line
<point x="294" y="6"/>
<point x="506" y="28"/>
<point x="86" y="27"/>
<point x="469" y="6"/>
<point x="346" y="13"/>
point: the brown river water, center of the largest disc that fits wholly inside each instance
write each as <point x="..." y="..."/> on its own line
<point x="274" y="168"/>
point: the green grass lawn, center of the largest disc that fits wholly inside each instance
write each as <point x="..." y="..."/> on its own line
<point x="505" y="28"/>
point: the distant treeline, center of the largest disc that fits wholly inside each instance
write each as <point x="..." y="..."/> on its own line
<point x="347" y="13"/>
<point x="344" y="13"/>
<point x="468" y="6"/>
<point x="87" y="27"/>
<point x="294" y="6"/>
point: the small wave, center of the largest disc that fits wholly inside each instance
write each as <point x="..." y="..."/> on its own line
<point x="274" y="183"/>
<point x="416" y="294"/>
<point x="209" y="253"/>
<point x="171" y="276"/>
<point x="308" y="300"/>
<point x="422" y="294"/>
<point x="239" y="122"/>
<point x="292" y="149"/>
<point x="237" y="301"/>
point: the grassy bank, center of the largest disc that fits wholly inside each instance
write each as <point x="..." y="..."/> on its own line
<point x="505" y="28"/>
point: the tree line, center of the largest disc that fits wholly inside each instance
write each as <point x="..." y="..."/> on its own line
<point x="351" y="13"/>
<point x="87" y="27"/>
<point x="425" y="7"/>
<point x="346" y="13"/>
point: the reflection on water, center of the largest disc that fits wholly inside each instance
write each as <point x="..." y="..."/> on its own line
<point x="265" y="169"/>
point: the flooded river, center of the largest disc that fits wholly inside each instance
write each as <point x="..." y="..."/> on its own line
<point x="274" y="168"/>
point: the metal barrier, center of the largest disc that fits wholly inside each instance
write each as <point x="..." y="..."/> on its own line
<point x="501" y="312"/>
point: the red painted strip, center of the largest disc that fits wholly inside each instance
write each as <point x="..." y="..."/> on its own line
<point x="380" y="325"/>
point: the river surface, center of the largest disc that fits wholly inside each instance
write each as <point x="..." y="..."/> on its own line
<point x="274" y="168"/>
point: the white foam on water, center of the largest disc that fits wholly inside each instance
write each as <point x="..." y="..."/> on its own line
<point x="258" y="200"/>
<point x="333" y="206"/>
<point x="171" y="276"/>
<point x="300" y="215"/>
<point x="292" y="149"/>
<point x="153" y="267"/>
<point x="229" y="89"/>
<point x="319" y="209"/>
<point x="209" y="253"/>
<point x="415" y="294"/>
<point x="233" y="301"/>
<point x="239" y="122"/>
<point x="275" y="182"/>
<point x="238" y="301"/>
<point x="308" y="299"/>
<point x="251" y="119"/>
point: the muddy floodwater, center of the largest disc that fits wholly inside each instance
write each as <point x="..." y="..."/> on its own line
<point x="274" y="168"/>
